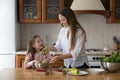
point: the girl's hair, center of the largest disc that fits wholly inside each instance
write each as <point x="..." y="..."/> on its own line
<point x="30" y="48"/>
<point x="73" y="23"/>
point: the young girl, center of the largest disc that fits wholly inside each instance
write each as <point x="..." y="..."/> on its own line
<point x="34" y="54"/>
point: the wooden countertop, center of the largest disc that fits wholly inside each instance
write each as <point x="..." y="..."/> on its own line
<point x="107" y="52"/>
<point x="25" y="52"/>
<point x="29" y="74"/>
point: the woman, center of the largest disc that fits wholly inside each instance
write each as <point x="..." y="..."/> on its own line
<point x="71" y="41"/>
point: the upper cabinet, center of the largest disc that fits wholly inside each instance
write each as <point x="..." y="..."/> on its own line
<point x="39" y="11"/>
<point x="46" y="11"/>
<point x="30" y="11"/>
<point x="50" y="10"/>
<point x="115" y="12"/>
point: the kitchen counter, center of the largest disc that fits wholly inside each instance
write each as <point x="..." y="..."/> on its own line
<point x="106" y="53"/>
<point x="21" y="52"/>
<point x="29" y="74"/>
<point x="25" y="52"/>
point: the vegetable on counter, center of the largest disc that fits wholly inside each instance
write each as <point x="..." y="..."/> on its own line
<point x="72" y="70"/>
<point x="113" y="58"/>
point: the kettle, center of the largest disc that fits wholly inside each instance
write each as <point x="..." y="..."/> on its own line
<point x="105" y="48"/>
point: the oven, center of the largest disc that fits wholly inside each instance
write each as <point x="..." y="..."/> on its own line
<point x="94" y="56"/>
<point x="94" y="60"/>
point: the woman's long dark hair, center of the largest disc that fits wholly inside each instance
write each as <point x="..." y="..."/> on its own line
<point x="73" y="23"/>
<point x="30" y="48"/>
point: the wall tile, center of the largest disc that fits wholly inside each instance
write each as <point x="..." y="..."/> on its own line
<point x="99" y="34"/>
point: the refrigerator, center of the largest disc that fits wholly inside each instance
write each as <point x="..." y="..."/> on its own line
<point x="7" y="34"/>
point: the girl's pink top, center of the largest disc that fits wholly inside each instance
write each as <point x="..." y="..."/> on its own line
<point x="37" y="57"/>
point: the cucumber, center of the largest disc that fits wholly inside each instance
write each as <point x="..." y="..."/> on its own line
<point x="44" y="51"/>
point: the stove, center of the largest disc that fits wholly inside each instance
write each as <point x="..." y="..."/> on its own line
<point x="94" y="56"/>
<point x="93" y="50"/>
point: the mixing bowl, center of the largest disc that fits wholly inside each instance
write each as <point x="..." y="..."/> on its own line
<point x="41" y="65"/>
<point x="111" y="67"/>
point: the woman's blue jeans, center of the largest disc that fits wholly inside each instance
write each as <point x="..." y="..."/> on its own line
<point x="84" y="66"/>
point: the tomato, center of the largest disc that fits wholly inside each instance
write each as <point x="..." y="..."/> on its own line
<point x="58" y="70"/>
<point x="41" y="69"/>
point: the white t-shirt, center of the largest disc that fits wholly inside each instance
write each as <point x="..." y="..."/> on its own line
<point x="78" y="53"/>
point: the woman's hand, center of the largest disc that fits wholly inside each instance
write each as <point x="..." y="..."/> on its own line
<point x="52" y="49"/>
<point x="60" y="57"/>
<point x="55" y="59"/>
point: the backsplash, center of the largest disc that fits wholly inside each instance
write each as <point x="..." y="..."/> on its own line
<point x="99" y="33"/>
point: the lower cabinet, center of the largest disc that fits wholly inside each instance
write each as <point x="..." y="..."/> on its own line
<point x="19" y="60"/>
<point x="21" y="57"/>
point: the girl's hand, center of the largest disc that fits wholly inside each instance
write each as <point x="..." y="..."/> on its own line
<point x="55" y="59"/>
<point x="34" y="62"/>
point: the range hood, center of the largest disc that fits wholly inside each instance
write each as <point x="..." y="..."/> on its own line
<point x="89" y="7"/>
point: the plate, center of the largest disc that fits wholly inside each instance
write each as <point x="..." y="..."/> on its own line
<point x="95" y="70"/>
<point x="81" y="73"/>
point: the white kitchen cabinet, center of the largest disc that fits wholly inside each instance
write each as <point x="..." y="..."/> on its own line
<point x="7" y="26"/>
<point x="7" y="61"/>
<point x="7" y="34"/>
